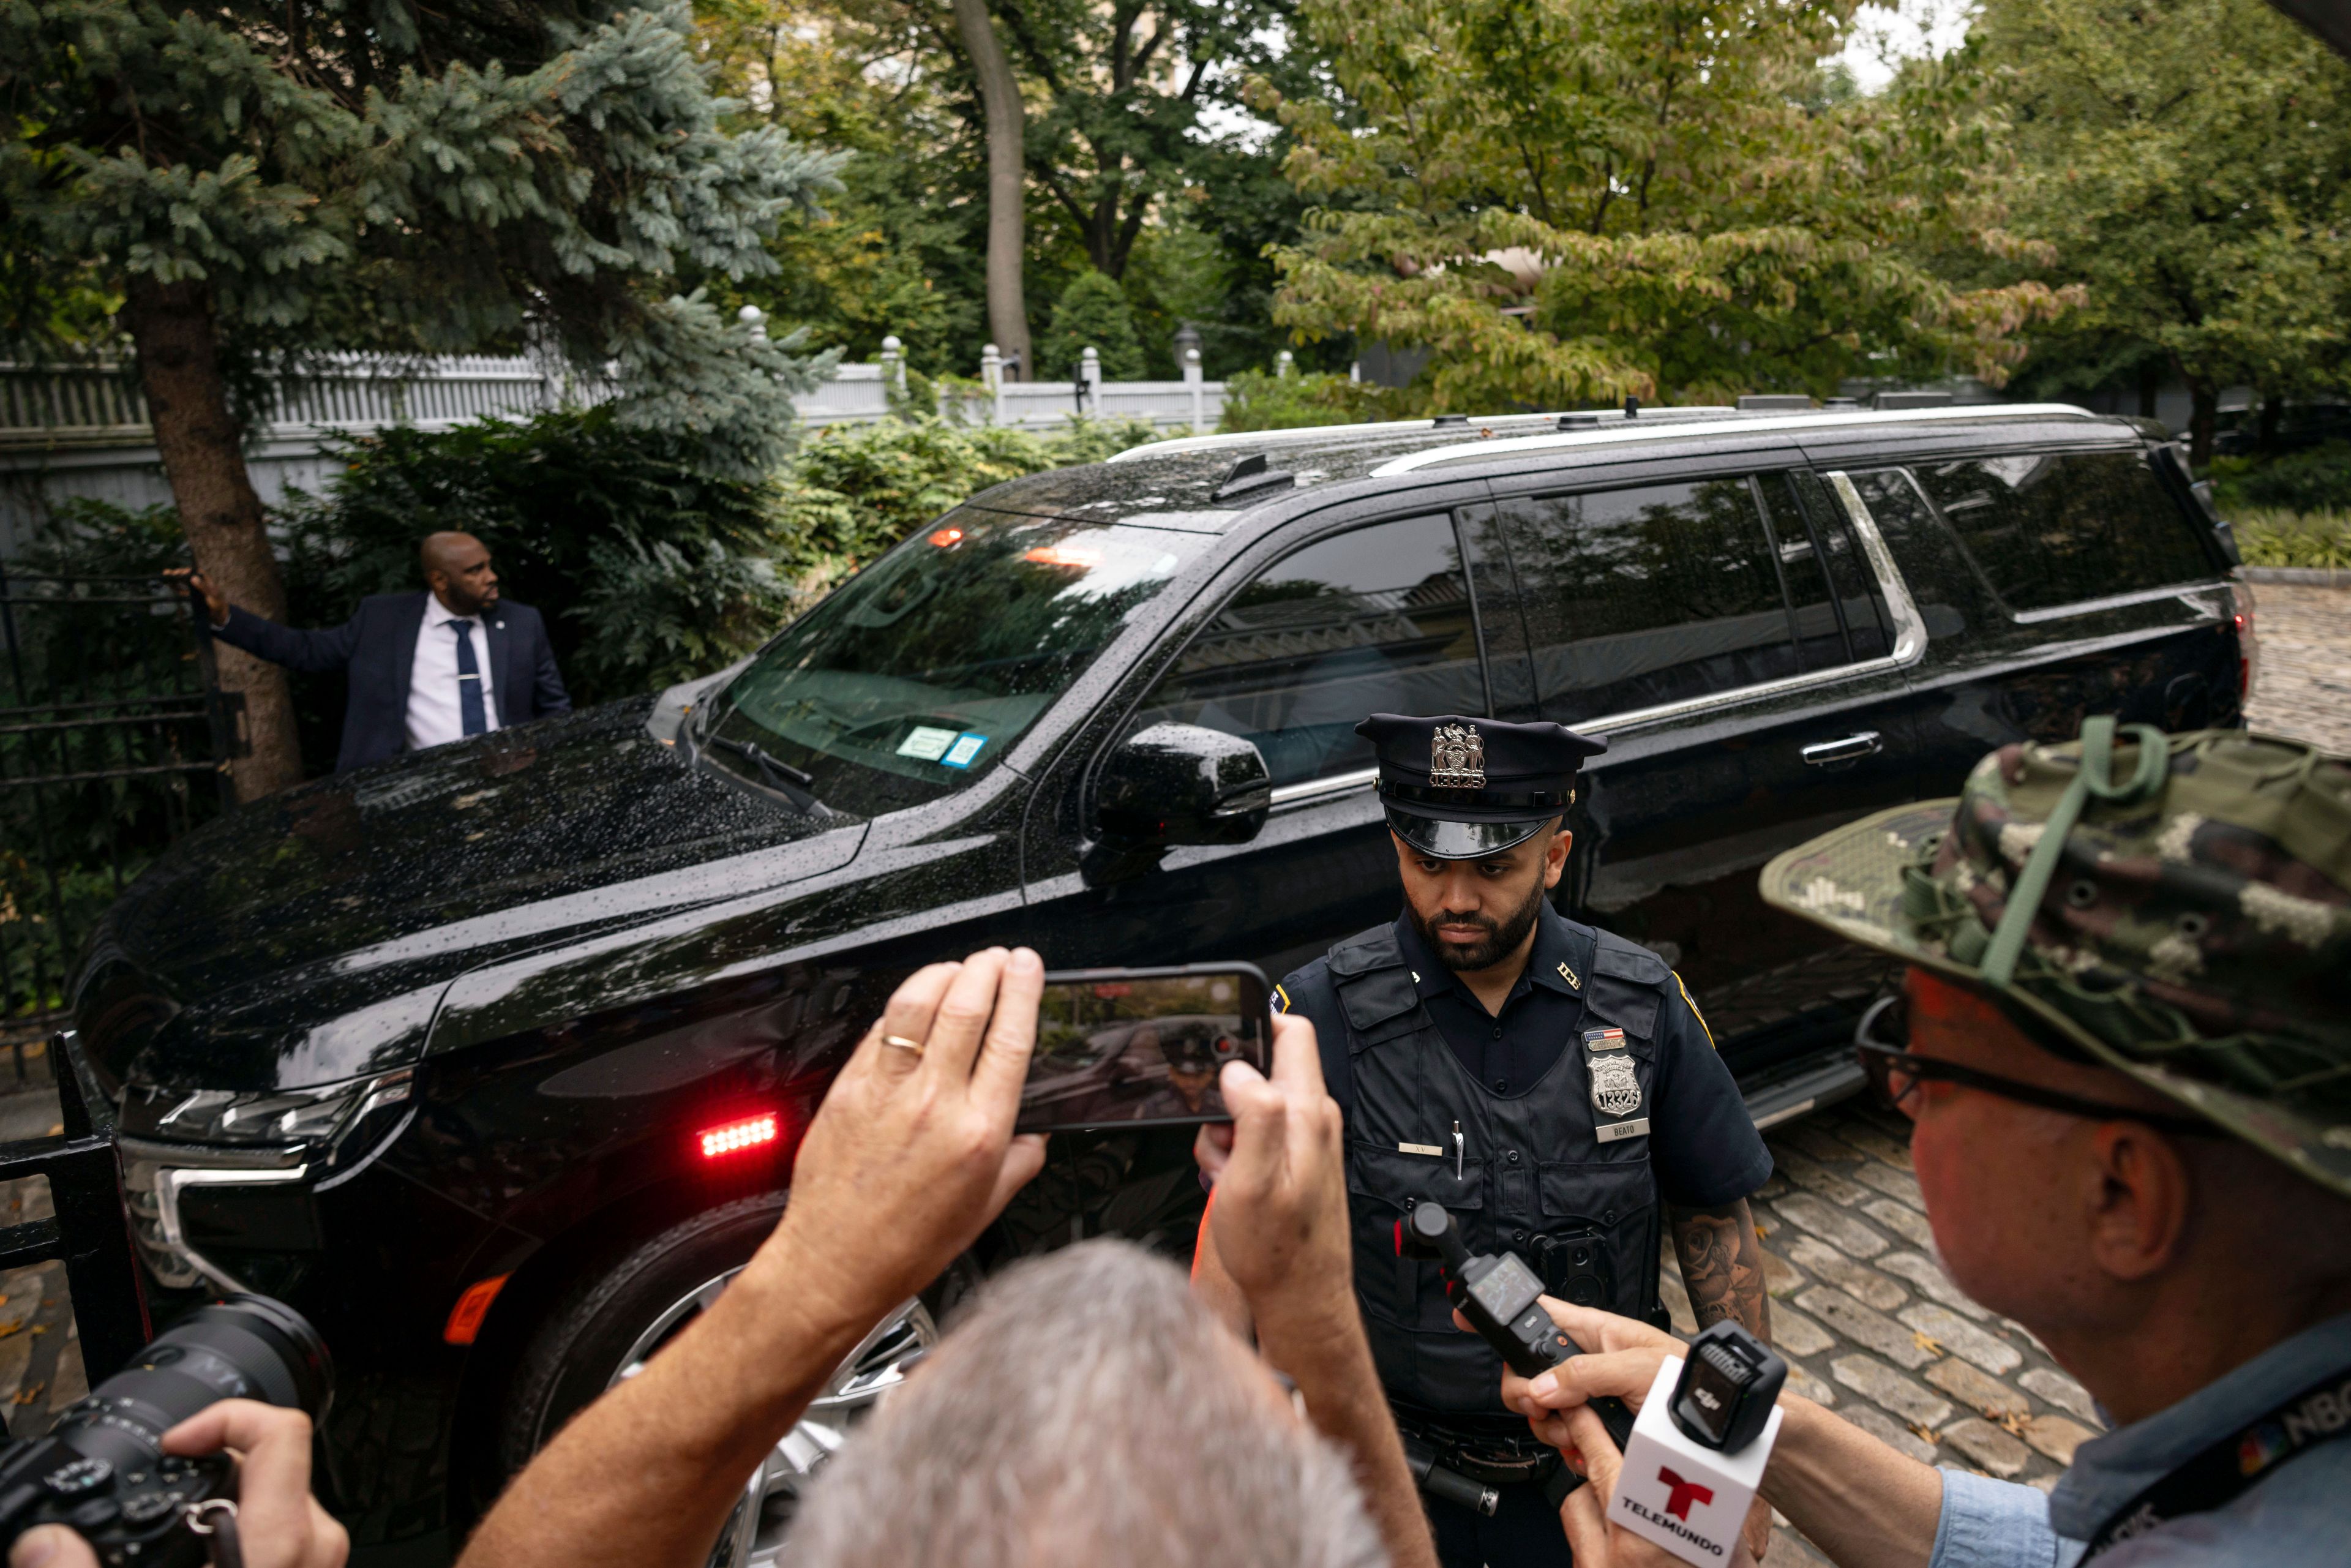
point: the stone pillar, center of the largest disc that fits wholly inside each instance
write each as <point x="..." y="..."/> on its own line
<point x="1282" y="363"/>
<point x="894" y="366"/>
<point x="754" y="320"/>
<point x="991" y="376"/>
<point x="1195" y="384"/>
<point x="1090" y="383"/>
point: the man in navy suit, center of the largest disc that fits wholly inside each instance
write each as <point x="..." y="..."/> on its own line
<point x="425" y="668"/>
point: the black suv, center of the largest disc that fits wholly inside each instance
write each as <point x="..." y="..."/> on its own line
<point x="493" y="1060"/>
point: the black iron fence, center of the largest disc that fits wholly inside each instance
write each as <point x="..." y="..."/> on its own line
<point x="115" y="742"/>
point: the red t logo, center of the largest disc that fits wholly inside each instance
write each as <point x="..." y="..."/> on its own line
<point x="1684" y="1494"/>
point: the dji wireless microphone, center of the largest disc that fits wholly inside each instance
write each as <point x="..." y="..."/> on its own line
<point x="1700" y="1446"/>
<point x="1729" y="1382"/>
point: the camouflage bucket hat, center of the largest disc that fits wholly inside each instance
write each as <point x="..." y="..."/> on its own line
<point x="2176" y="907"/>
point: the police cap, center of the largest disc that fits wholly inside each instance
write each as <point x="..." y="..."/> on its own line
<point x="1460" y="788"/>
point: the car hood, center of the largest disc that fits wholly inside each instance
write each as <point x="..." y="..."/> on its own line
<point x="308" y="936"/>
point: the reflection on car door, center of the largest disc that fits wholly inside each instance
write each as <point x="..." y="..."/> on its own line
<point x="1379" y="618"/>
<point x="1726" y="636"/>
<point x="2052" y="585"/>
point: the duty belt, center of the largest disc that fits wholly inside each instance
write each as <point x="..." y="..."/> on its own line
<point x="1492" y="1458"/>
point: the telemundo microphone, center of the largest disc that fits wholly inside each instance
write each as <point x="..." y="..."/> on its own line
<point x="1698" y="1447"/>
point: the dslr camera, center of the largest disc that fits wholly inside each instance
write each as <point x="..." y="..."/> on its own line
<point x="101" y="1470"/>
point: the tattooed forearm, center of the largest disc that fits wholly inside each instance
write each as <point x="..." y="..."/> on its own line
<point x="1723" y="1266"/>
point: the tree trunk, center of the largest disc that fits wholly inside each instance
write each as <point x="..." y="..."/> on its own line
<point x="1007" y="134"/>
<point x="187" y="400"/>
<point x="2150" y="386"/>
<point x="2203" y="421"/>
<point x="2273" y="415"/>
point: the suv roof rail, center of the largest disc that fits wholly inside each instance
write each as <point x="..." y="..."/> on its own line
<point x="1641" y="431"/>
<point x="1374" y="430"/>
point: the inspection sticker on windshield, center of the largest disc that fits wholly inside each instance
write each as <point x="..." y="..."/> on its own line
<point x="963" y="750"/>
<point x="928" y="744"/>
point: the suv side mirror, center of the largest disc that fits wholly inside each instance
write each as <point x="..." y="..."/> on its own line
<point x="1180" y="784"/>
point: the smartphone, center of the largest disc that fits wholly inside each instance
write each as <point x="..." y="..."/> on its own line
<point x="1141" y="1048"/>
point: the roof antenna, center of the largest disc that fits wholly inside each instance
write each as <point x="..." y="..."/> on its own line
<point x="1631" y="408"/>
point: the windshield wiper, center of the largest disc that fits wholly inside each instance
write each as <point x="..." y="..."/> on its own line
<point x="777" y="774"/>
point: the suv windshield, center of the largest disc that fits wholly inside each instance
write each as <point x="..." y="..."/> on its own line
<point x="925" y="666"/>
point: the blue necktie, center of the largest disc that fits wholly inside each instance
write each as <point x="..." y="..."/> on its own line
<point x="469" y="681"/>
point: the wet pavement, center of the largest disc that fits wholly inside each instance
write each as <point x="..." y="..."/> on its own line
<point x="40" y="1356"/>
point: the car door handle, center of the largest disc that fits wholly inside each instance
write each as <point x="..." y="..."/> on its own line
<point x="1860" y="743"/>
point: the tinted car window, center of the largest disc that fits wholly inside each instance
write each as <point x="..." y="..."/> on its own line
<point x="1828" y="587"/>
<point x="2045" y="529"/>
<point x="923" y="667"/>
<point x="1639" y="597"/>
<point x="1377" y="619"/>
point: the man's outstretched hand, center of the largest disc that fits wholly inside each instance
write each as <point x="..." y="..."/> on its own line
<point x="912" y="1152"/>
<point x="215" y="603"/>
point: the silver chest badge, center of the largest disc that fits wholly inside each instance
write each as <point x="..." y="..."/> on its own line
<point x="1457" y="757"/>
<point x="1615" y="1088"/>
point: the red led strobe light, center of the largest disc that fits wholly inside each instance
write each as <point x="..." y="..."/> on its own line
<point x="735" y="1136"/>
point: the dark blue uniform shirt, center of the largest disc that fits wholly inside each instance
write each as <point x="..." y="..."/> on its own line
<point x="1703" y="1145"/>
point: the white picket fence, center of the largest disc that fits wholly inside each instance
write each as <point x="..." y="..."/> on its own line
<point x="83" y="430"/>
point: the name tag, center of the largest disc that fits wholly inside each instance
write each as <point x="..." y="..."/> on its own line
<point x="1617" y="1132"/>
<point x="1430" y="1149"/>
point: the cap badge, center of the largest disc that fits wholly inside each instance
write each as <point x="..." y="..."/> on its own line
<point x="1457" y="757"/>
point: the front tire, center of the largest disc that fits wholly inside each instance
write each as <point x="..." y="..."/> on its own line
<point x="616" y="1318"/>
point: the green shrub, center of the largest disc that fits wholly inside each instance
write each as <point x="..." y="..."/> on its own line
<point x="1093" y="314"/>
<point x="1255" y="400"/>
<point x="2316" y="480"/>
<point x="854" y="490"/>
<point x="648" y="568"/>
<point x="2276" y="537"/>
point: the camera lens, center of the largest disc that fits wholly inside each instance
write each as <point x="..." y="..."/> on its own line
<point x="246" y="1347"/>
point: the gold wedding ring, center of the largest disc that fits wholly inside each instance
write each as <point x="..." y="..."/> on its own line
<point x="901" y="1042"/>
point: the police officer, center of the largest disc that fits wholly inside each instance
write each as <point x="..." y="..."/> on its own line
<point x="1552" y="1085"/>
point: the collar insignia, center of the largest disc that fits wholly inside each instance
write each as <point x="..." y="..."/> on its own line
<point x="1569" y="976"/>
<point x="1457" y="757"/>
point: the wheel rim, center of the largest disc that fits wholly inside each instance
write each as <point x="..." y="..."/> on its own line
<point x="754" y="1535"/>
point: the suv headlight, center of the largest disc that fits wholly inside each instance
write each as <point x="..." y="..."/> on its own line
<point x="323" y="1115"/>
<point x="172" y="1142"/>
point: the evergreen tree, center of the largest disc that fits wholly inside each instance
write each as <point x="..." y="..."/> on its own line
<point x="1093" y="314"/>
<point x="267" y="179"/>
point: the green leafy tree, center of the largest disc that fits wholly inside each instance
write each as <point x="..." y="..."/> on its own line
<point x="899" y="249"/>
<point x="261" y="180"/>
<point x="2188" y="167"/>
<point x="1093" y="313"/>
<point x="1567" y="200"/>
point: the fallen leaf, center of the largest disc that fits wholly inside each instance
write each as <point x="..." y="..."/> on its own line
<point x="56" y="1128"/>
<point x="26" y="1395"/>
<point x="1926" y="1343"/>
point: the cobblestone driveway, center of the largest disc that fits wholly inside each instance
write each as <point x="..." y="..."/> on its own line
<point x="2302" y="682"/>
<point x="1874" y="1329"/>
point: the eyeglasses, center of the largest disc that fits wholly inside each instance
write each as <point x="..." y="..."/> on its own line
<point x="1881" y="1039"/>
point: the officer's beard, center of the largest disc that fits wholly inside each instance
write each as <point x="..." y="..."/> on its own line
<point x="1502" y="939"/>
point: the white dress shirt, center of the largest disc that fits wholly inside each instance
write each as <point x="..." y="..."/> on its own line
<point x="434" y="718"/>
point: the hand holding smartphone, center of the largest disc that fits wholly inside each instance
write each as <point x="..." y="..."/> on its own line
<point x="1141" y="1048"/>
